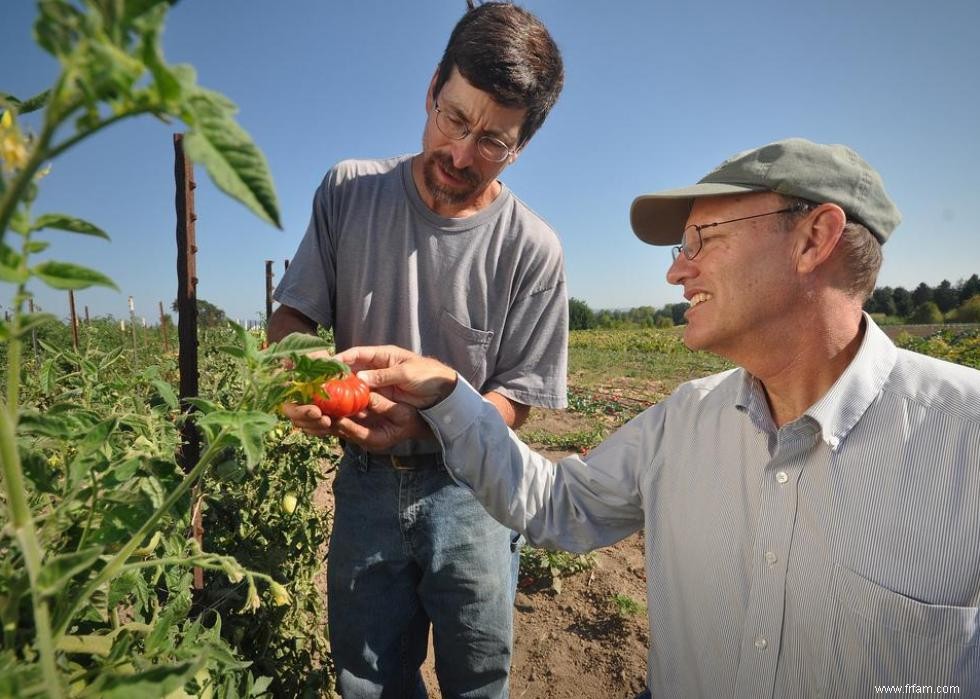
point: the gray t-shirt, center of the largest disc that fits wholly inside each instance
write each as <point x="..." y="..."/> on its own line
<point x="485" y="293"/>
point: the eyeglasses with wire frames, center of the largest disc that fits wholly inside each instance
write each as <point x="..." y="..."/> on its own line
<point x="691" y="242"/>
<point x="494" y="150"/>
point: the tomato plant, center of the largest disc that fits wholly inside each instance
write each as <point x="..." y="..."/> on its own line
<point x="95" y="595"/>
<point x="342" y="396"/>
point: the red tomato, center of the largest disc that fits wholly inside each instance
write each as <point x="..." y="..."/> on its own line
<point x="342" y="397"/>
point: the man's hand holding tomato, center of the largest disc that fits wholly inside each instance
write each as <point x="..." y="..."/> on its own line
<point x="413" y="381"/>
<point x="346" y="408"/>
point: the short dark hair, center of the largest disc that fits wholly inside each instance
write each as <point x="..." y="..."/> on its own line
<point x="507" y="52"/>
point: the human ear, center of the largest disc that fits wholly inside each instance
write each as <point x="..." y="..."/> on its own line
<point x="820" y="232"/>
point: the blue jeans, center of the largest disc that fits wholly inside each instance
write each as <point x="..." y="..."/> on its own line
<point x="409" y="549"/>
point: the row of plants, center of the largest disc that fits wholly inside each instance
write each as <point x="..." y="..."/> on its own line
<point x="97" y="439"/>
<point x="960" y="347"/>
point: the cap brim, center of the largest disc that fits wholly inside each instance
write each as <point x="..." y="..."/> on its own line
<point x="659" y="218"/>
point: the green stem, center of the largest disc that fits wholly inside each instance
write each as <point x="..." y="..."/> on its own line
<point x="113" y="567"/>
<point x="205" y="561"/>
<point x="23" y="527"/>
<point x="82" y="135"/>
<point x="83" y="539"/>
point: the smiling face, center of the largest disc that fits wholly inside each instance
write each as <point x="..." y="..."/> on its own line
<point x="742" y="286"/>
<point x="452" y="177"/>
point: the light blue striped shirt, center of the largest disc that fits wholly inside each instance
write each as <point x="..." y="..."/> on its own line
<point x="820" y="559"/>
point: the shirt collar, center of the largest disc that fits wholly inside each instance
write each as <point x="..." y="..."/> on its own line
<point x="840" y="408"/>
<point x="847" y="400"/>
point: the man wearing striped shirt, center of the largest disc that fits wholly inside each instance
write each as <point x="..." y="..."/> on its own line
<point x="812" y="518"/>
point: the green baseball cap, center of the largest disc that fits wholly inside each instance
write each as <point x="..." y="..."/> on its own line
<point x="794" y="167"/>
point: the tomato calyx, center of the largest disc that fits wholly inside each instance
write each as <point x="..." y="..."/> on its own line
<point x="328" y="384"/>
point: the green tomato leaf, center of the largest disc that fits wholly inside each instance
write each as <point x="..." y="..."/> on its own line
<point x="64" y="275"/>
<point x="58" y="570"/>
<point x="31" y="104"/>
<point x="93" y="438"/>
<point x="296" y="343"/>
<point x="307" y="368"/>
<point x="158" y="681"/>
<point x="203" y="405"/>
<point x="47" y="424"/>
<point x="150" y="25"/>
<point x="234" y="163"/>
<point x="19" y="222"/>
<point x="247" y="428"/>
<point x="11" y="269"/>
<point x="57" y="26"/>
<point x="71" y="224"/>
<point x="261" y="684"/>
<point x="232" y="351"/>
<point x="107" y="73"/>
<point x="166" y="392"/>
<point x="145" y="14"/>
<point x="152" y="488"/>
<point x="129" y="582"/>
<point x="90" y="644"/>
<point x="126" y="469"/>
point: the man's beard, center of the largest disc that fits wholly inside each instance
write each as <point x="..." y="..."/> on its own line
<point x="438" y="190"/>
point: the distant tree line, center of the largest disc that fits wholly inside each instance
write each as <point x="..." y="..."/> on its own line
<point x="581" y="317"/>
<point x="947" y="302"/>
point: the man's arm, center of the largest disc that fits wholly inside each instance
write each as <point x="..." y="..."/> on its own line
<point x="513" y="413"/>
<point x="573" y="506"/>
<point x="285" y="320"/>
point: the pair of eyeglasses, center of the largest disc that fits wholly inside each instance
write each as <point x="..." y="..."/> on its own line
<point x="494" y="150"/>
<point x="691" y="242"/>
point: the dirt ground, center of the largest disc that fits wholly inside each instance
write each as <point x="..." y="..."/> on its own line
<point x="577" y="643"/>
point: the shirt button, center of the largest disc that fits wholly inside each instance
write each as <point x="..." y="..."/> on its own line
<point x="761" y="643"/>
<point x="781" y="477"/>
<point x="771" y="558"/>
<point x="447" y="419"/>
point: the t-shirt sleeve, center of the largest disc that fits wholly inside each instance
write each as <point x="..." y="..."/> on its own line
<point x="532" y="365"/>
<point x="309" y="284"/>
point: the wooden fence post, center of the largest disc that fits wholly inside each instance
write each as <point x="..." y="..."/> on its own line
<point x="74" y="319"/>
<point x="268" y="291"/>
<point x="190" y="447"/>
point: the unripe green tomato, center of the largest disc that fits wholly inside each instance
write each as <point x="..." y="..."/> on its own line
<point x="280" y="596"/>
<point x="289" y="503"/>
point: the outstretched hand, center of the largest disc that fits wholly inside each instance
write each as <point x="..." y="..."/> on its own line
<point x="400" y="375"/>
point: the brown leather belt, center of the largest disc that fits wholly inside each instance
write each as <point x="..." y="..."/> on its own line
<point x="406" y="462"/>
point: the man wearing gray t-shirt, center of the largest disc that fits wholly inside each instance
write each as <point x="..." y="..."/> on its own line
<point x="432" y="252"/>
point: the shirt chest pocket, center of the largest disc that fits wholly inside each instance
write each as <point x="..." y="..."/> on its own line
<point x="880" y="637"/>
<point x="463" y="348"/>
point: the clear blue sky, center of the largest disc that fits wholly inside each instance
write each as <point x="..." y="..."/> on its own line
<point x="657" y="93"/>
